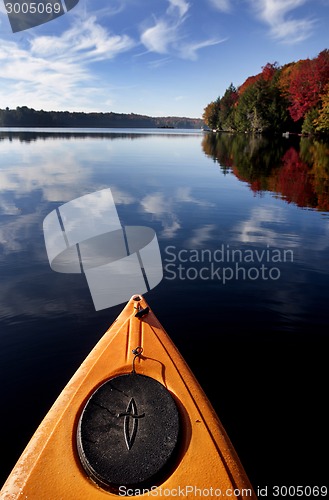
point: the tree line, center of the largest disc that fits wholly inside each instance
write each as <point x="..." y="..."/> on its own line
<point x="29" y="117"/>
<point x="293" y="97"/>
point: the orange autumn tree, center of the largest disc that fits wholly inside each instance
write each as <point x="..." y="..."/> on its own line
<point x="321" y="122"/>
<point x="210" y="114"/>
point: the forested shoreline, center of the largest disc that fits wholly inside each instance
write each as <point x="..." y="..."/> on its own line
<point x="290" y="98"/>
<point x="29" y="117"/>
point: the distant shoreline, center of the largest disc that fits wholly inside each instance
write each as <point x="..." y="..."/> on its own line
<point x="24" y="117"/>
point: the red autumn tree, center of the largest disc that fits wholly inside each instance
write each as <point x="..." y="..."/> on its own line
<point x="268" y="71"/>
<point x="308" y="79"/>
<point x="267" y="74"/>
<point x="248" y="82"/>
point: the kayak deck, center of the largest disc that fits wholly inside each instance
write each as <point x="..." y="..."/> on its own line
<point x="133" y="419"/>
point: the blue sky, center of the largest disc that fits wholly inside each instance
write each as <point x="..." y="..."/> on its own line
<point x="153" y="57"/>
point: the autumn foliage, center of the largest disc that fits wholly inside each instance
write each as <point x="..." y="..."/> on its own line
<point x="296" y="171"/>
<point x="293" y="97"/>
<point x="266" y="75"/>
<point x="308" y="80"/>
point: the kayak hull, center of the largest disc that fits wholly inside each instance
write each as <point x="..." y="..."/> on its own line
<point x="205" y="462"/>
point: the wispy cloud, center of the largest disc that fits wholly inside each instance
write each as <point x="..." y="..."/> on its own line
<point x="184" y="195"/>
<point x="200" y="236"/>
<point x="222" y="5"/>
<point x="165" y="209"/>
<point x="162" y="210"/>
<point x="159" y="63"/>
<point x="58" y="68"/>
<point x="181" y="5"/>
<point x="160" y="37"/>
<point x="42" y="172"/>
<point x="166" y="36"/>
<point x="263" y="227"/>
<point x="86" y="40"/>
<point x="190" y="50"/>
<point x="283" y="27"/>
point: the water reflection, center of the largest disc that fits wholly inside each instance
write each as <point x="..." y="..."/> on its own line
<point x="41" y="171"/>
<point x="295" y="170"/>
<point x="47" y="320"/>
<point x="265" y="226"/>
<point x="34" y="134"/>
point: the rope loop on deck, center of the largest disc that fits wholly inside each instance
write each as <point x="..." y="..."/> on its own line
<point x="137" y="351"/>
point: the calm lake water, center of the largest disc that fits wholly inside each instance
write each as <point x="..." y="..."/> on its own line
<point x="243" y="229"/>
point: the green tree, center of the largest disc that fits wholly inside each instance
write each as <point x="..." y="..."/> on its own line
<point x="308" y="126"/>
<point x="262" y="108"/>
<point x="252" y="110"/>
<point x="227" y="109"/>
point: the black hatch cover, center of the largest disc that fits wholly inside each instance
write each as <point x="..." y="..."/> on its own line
<point x="128" y="431"/>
